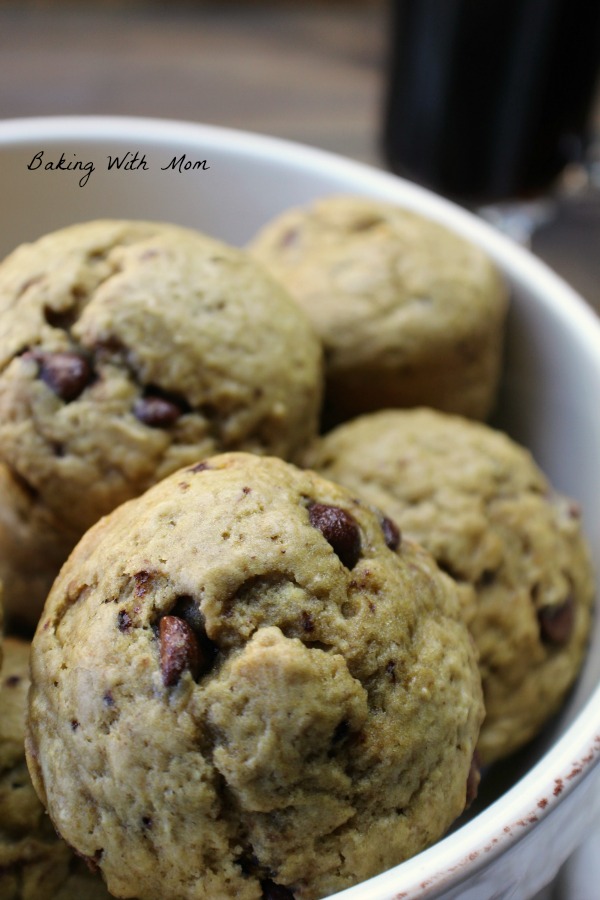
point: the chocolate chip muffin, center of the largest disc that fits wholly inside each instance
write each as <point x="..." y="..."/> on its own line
<point x="34" y="862"/>
<point x="244" y="684"/>
<point x="33" y="545"/>
<point x="409" y="313"/>
<point x="480" y="504"/>
<point x="129" y="349"/>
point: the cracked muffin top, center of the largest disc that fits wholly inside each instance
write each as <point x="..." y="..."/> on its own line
<point x="480" y="504"/>
<point x="128" y="349"/>
<point x="409" y="312"/>
<point x="246" y="684"/>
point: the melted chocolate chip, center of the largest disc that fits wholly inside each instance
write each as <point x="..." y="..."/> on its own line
<point x="339" y="529"/>
<point x="143" y="582"/>
<point x="157" y="412"/>
<point x="178" y="650"/>
<point x="556" y="622"/>
<point x="391" y="533"/>
<point x="124" y="623"/>
<point x="66" y="374"/>
<point x="272" y="891"/>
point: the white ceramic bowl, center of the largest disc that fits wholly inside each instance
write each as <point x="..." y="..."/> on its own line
<point x="537" y="808"/>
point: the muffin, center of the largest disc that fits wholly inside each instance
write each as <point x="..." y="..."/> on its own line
<point x="1" y="624"/>
<point x="127" y="350"/>
<point x="244" y="685"/>
<point x="409" y="313"/>
<point x="34" y="862"/>
<point x="480" y="504"/>
<point x="33" y="546"/>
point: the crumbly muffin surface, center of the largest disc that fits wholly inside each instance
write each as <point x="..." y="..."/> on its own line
<point x="244" y="679"/>
<point x="479" y="503"/>
<point x="409" y="313"/>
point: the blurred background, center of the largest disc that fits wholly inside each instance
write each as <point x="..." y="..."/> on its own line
<point x="309" y="71"/>
<point x="315" y="71"/>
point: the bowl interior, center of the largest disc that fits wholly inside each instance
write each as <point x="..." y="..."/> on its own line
<point x="552" y="374"/>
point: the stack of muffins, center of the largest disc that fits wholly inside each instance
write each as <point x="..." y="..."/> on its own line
<point x="277" y="565"/>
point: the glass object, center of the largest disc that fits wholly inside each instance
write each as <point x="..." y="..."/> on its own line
<point x="488" y="101"/>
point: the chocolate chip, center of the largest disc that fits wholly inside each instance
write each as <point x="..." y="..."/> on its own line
<point x="157" y="412"/>
<point x="339" y="529"/>
<point x="147" y="821"/>
<point x="289" y="238"/>
<point x="178" y="650"/>
<point x="188" y="609"/>
<point x="108" y="699"/>
<point x="307" y="619"/>
<point x="124" y="623"/>
<point x="556" y="622"/>
<point x="66" y="374"/>
<point x="60" y="318"/>
<point x="200" y="467"/>
<point x="473" y="779"/>
<point x="143" y="582"/>
<point x="272" y="891"/>
<point x="12" y="681"/>
<point x="109" y="347"/>
<point x="391" y="533"/>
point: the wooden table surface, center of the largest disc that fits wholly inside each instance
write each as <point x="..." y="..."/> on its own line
<point x="308" y="71"/>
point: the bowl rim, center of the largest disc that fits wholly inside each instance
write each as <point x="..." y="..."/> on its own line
<point x="524" y="266"/>
<point x="577" y="751"/>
